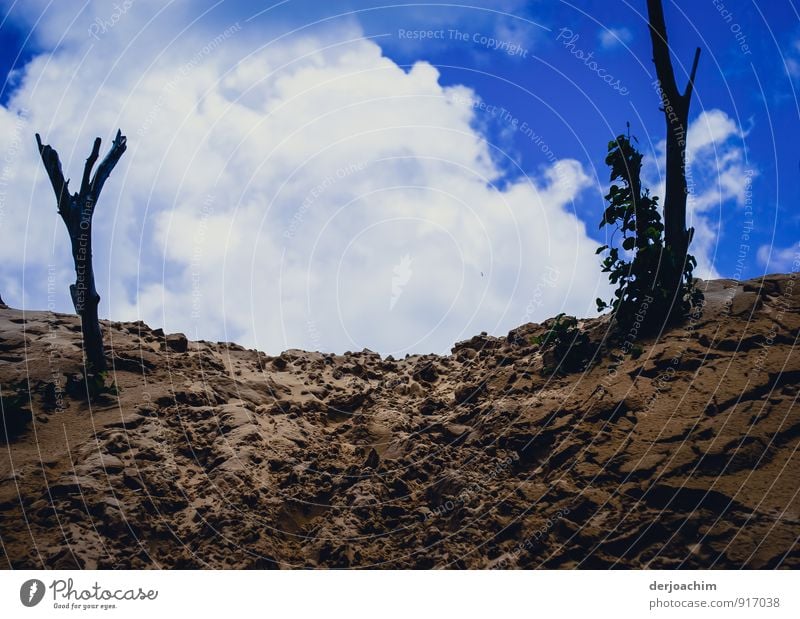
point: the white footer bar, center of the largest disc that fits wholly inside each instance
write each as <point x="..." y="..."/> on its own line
<point x="404" y="595"/>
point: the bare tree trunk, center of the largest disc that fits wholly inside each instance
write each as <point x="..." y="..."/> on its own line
<point x="676" y="112"/>
<point x="77" y="210"/>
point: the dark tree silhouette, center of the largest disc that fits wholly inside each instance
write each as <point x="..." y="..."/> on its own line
<point x="676" y="112"/>
<point x="656" y="286"/>
<point x="77" y="210"/>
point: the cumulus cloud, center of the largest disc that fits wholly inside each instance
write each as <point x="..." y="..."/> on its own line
<point x="270" y="190"/>
<point x="779" y="259"/>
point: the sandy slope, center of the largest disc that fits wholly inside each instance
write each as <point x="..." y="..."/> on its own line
<point x="218" y="456"/>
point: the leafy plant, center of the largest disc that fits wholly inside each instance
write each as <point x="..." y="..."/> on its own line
<point x="654" y="286"/>
<point x="566" y="348"/>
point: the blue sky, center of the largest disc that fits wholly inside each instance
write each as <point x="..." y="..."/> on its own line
<point x="489" y="150"/>
<point x="748" y="69"/>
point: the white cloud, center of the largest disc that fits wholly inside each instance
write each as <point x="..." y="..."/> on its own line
<point x="268" y="193"/>
<point x="779" y="259"/>
<point x="792" y="59"/>
<point x="614" y="37"/>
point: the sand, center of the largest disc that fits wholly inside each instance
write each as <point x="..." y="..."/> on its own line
<point x="216" y="456"/>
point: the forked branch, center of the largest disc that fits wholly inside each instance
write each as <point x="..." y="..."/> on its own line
<point x="77" y="210"/>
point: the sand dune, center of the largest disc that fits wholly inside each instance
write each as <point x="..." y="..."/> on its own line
<point x="213" y="455"/>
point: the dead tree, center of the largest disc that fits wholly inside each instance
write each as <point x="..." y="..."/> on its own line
<point x="77" y="210"/>
<point x="676" y="111"/>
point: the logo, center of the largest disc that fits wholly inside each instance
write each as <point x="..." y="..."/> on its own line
<point x="31" y="592"/>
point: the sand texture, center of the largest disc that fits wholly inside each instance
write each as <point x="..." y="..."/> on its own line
<point x="215" y="456"/>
